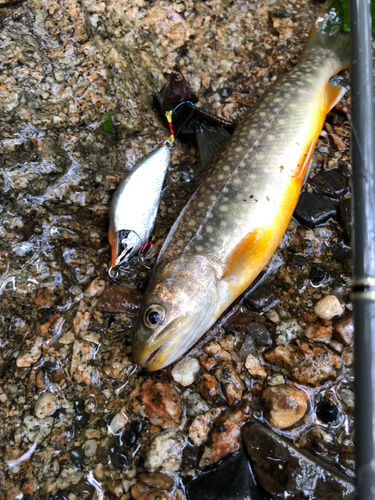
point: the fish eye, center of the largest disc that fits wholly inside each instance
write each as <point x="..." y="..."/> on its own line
<point x="153" y="316"/>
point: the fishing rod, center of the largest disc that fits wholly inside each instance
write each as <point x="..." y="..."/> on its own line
<point x="363" y="290"/>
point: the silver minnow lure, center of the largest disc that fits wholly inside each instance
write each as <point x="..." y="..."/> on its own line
<point x="135" y="204"/>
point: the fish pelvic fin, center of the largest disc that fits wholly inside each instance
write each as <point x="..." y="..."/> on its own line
<point x="328" y="33"/>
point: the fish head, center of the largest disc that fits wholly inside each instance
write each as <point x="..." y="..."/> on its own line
<point x="178" y="308"/>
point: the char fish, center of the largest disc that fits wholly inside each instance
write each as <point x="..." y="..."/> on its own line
<point x="235" y="220"/>
<point x="135" y="204"/>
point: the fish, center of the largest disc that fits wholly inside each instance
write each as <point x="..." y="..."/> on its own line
<point x="134" y="206"/>
<point x="237" y="216"/>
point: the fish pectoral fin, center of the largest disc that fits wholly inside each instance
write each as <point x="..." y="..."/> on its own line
<point x="248" y="259"/>
<point x="210" y="140"/>
<point x="333" y="95"/>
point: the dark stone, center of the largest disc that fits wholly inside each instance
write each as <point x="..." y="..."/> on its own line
<point x="319" y="275"/>
<point x="347" y="460"/>
<point x="260" y="334"/>
<point x="77" y="456"/>
<point x="85" y="489"/>
<point x="129" y="437"/>
<point x="233" y="479"/>
<point x="327" y="412"/>
<point x="118" y="299"/>
<point x="190" y="457"/>
<point x="286" y="471"/>
<point x="341" y="253"/>
<point x="330" y="183"/>
<point x="261" y="298"/>
<point x="226" y="92"/>
<point x="238" y="322"/>
<point x="281" y="13"/>
<point x="345" y="213"/>
<point x="313" y="210"/>
<point x="118" y="453"/>
<point x="298" y="261"/>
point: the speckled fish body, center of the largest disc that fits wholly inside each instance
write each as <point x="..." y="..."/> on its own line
<point x="135" y="204"/>
<point x="235" y="220"/>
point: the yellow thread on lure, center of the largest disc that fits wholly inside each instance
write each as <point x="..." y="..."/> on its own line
<point x="236" y="218"/>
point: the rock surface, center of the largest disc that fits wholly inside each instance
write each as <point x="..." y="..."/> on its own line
<point x="184" y="371"/>
<point x="297" y="475"/>
<point x="328" y="307"/>
<point x="165" y="452"/>
<point x="284" y="405"/>
<point x="312" y="210"/>
<point x="120" y="300"/>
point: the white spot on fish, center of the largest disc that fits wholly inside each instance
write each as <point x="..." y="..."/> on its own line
<point x="223" y="208"/>
<point x="236" y="180"/>
<point x="225" y="190"/>
<point x="180" y="243"/>
<point x="213" y="197"/>
<point x="212" y="240"/>
<point x="277" y="99"/>
<point x="201" y="204"/>
<point x="225" y="198"/>
<point x="199" y="248"/>
<point x="239" y="149"/>
<point x="262" y="113"/>
<point x="226" y="168"/>
<point x="209" y="229"/>
<point x="253" y="176"/>
<point x="199" y="237"/>
<point x="220" y="177"/>
<point x="270" y="137"/>
<point x="192" y="223"/>
<point x="189" y="234"/>
<point x="223" y="224"/>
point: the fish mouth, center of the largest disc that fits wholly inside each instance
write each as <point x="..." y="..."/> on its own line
<point x="154" y="358"/>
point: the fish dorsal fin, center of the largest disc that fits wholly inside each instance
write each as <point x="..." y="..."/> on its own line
<point x="333" y="95"/>
<point x="210" y="140"/>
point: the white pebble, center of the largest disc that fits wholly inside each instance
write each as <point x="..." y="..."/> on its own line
<point x="118" y="422"/>
<point x="328" y="307"/>
<point x="165" y="452"/>
<point x="184" y="372"/>
<point x="46" y="405"/>
<point x="90" y="448"/>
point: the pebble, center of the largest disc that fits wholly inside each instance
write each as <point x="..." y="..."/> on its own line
<point x="312" y="210"/>
<point x="345" y="217"/>
<point x="284" y="405"/>
<point x="230" y="382"/>
<point x="118" y="299"/>
<point x="259" y="333"/>
<point x="344" y="331"/>
<point x="184" y="371"/>
<point x="327" y="412"/>
<point x="347" y="397"/>
<point x="157" y="480"/>
<point x="210" y="389"/>
<point x="319" y="275"/>
<point x="165" y="452"/>
<point x="255" y="367"/>
<point x="319" y="333"/>
<point x="330" y="183"/>
<point x="295" y="470"/>
<point x="276" y="379"/>
<point x="90" y="448"/>
<point x="140" y="491"/>
<point x="287" y="331"/>
<point x="195" y="404"/>
<point x="46" y="405"/>
<point x="261" y="298"/>
<point x="232" y="479"/>
<point x="348" y="356"/>
<point x="118" y="422"/>
<point x="328" y="307"/>
<point x="31" y="354"/>
<point x="307" y="363"/>
<point x="202" y="426"/>
<point x="273" y="316"/>
<point x="30" y="486"/>
<point x="225" y="437"/>
<point x="248" y="347"/>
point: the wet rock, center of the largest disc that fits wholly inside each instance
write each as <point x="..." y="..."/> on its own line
<point x="344" y="331"/>
<point x="225" y="437"/>
<point x="287" y="331"/>
<point x="248" y="347"/>
<point x="31" y="354"/>
<point x="260" y="334"/>
<point x="77" y="456"/>
<point x="36" y="429"/>
<point x="327" y="412"/>
<point x="239" y="321"/>
<point x="347" y="397"/>
<point x="319" y="275"/>
<point x="330" y="183"/>
<point x="202" y="426"/>
<point x="195" y="404"/>
<point x="118" y="453"/>
<point x="232" y="479"/>
<point x="95" y="288"/>
<point x="276" y="379"/>
<point x="319" y="333"/>
<point x="297" y="475"/>
<point x="209" y="387"/>
<point x="114" y="363"/>
<point x="158" y="401"/>
<point x="328" y="307"/>
<point x="312" y="210"/>
<point x="157" y="480"/>
<point x="345" y="217"/>
<point x="284" y="405"/>
<point x="46" y="405"/>
<point x="184" y="371"/>
<point x="261" y="298"/>
<point x="81" y="368"/>
<point x="30" y="486"/>
<point x="190" y="457"/>
<point x="348" y="356"/>
<point x="273" y="316"/>
<point x="118" y="422"/>
<point x="230" y="382"/>
<point x="320" y="442"/>
<point x="165" y="452"/>
<point x="84" y="489"/>
<point x="306" y="364"/>
<point x="118" y="299"/>
<point x="90" y="448"/>
<point x="347" y="460"/>
<point x="141" y="492"/>
<point x="255" y="367"/>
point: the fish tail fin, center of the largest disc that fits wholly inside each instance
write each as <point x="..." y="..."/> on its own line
<point x="330" y="32"/>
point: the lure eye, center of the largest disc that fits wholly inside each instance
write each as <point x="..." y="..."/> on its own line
<point x="153" y="316"/>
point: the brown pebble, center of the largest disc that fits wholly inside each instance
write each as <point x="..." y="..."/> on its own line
<point x="348" y="356"/>
<point x="118" y="299"/>
<point x="157" y="480"/>
<point x="284" y="405"/>
<point x="319" y="333"/>
<point x="255" y="367"/>
<point x="344" y="331"/>
<point x="30" y="486"/>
